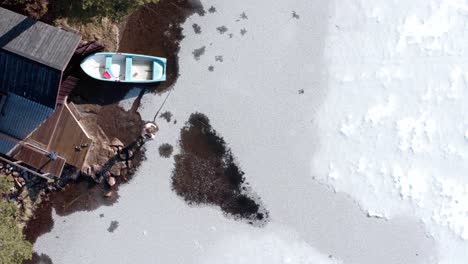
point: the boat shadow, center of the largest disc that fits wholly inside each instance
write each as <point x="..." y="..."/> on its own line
<point x="91" y="91"/>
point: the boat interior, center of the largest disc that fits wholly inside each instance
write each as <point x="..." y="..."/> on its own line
<point x="120" y="67"/>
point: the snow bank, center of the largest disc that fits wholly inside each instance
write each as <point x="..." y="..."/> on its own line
<point x="397" y="142"/>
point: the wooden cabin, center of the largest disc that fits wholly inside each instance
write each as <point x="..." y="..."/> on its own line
<point x="39" y="132"/>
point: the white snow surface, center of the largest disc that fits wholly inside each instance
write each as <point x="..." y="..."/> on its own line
<point x="255" y="247"/>
<point x="381" y="121"/>
<point x="393" y="127"/>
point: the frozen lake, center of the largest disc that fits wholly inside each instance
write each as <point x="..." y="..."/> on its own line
<point x="311" y="97"/>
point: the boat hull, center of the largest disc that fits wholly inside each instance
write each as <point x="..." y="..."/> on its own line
<point x="125" y="67"/>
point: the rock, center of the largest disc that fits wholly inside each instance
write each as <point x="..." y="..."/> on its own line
<point x="15" y="174"/>
<point x="108" y="194"/>
<point x="111" y="181"/>
<point x="116" y="143"/>
<point x="126" y="155"/>
<point x="115" y="170"/>
<point x="96" y="168"/>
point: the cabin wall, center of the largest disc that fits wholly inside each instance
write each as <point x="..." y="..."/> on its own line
<point x="27" y="78"/>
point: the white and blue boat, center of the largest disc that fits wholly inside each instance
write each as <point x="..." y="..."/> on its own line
<point x="125" y="67"/>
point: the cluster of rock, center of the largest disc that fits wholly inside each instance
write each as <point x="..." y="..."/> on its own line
<point x="12" y="175"/>
<point x="116" y="165"/>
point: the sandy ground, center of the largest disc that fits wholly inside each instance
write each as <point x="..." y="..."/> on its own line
<point x="260" y="87"/>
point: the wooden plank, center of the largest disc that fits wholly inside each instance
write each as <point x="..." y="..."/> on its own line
<point x="42" y="175"/>
<point x="34" y="156"/>
<point x="69" y="136"/>
<point x="63" y="134"/>
<point x="43" y="134"/>
<point x="74" y="111"/>
<point x="39" y="160"/>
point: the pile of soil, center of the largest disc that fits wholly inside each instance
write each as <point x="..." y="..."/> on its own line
<point x="205" y="173"/>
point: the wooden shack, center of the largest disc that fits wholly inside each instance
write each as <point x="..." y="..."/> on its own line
<point x="37" y="128"/>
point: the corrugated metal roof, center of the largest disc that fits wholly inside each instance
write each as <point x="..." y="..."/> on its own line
<point x="21" y="116"/>
<point x="6" y="146"/>
<point x="36" y="40"/>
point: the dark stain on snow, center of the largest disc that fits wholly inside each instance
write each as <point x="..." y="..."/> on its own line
<point x="243" y="16"/>
<point x="196" y="28"/>
<point x="206" y="173"/>
<point x="295" y="15"/>
<point x="197" y="53"/>
<point x="165" y="150"/>
<point x="243" y="31"/>
<point x="212" y="9"/>
<point x="113" y="226"/>
<point x="219" y="58"/>
<point x="166" y="116"/>
<point x="222" y="29"/>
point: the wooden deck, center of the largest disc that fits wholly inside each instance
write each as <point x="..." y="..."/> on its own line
<point x="63" y="134"/>
<point x="33" y="156"/>
<point x="37" y="158"/>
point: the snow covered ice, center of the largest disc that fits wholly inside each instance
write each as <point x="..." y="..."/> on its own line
<point x="381" y="118"/>
<point x="393" y="126"/>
